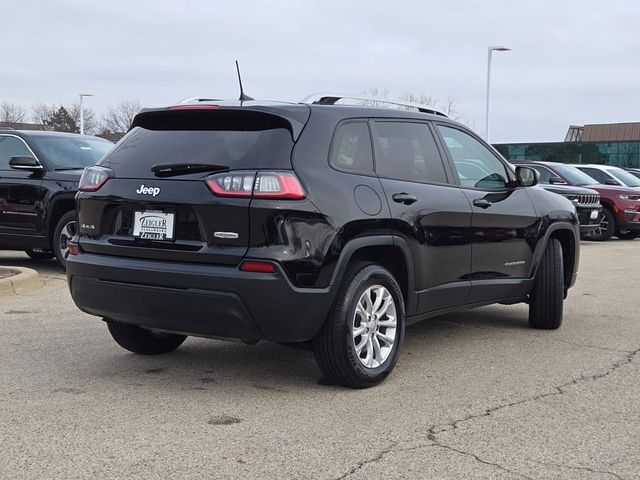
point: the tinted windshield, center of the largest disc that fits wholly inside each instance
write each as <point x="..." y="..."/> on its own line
<point x="68" y="152"/>
<point x="573" y="175"/>
<point x="625" y="177"/>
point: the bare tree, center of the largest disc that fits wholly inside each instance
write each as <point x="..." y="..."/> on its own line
<point x="11" y="112"/>
<point x="119" y="118"/>
<point x="41" y="112"/>
<point x="44" y="114"/>
<point x="449" y="106"/>
<point x="90" y="121"/>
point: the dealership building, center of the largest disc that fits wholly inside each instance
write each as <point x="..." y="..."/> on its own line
<point x="609" y="144"/>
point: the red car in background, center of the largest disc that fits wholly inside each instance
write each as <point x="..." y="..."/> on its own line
<point x="620" y="214"/>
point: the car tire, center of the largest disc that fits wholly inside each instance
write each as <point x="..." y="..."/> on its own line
<point x="547" y="296"/>
<point x="63" y="233"/>
<point x="627" y="235"/>
<point x="40" y="253"/>
<point x="140" y="340"/>
<point x="369" y="302"/>
<point x="607" y="226"/>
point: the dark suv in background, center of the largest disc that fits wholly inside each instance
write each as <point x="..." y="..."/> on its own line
<point x="620" y="215"/>
<point x="39" y="174"/>
<point x="316" y="222"/>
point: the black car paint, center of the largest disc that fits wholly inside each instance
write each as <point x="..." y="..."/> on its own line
<point x="447" y="253"/>
<point x="33" y="201"/>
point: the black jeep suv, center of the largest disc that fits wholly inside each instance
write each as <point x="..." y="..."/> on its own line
<point x="315" y="221"/>
<point x="39" y="174"/>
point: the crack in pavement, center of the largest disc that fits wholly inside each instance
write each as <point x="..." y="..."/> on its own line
<point x="571" y="467"/>
<point x="597" y="347"/>
<point x="391" y="448"/>
<point x="453" y="425"/>
<point x="437" y="443"/>
<point x="559" y="390"/>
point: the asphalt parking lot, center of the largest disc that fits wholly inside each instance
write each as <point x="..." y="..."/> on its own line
<point x="474" y="395"/>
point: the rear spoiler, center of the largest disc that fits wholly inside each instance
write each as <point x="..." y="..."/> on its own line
<point x="203" y="116"/>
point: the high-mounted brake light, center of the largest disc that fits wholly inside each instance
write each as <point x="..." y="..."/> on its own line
<point x="93" y="178"/>
<point x="257" y="267"/>
<point x="274" y="185"/>
<point x="195" y="107"/>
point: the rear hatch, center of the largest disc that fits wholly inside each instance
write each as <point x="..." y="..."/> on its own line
<point x="160" y="201"/>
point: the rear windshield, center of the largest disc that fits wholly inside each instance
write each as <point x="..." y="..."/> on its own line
<point x="234" y="141"/>
<point x="68" y="153"/>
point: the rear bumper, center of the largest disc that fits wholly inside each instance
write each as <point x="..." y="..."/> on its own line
<point x="197" y="299"/>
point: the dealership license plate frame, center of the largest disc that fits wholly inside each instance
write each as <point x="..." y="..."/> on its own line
<point x="154" y="225"/>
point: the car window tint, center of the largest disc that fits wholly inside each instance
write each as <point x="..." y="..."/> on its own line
<point x="351" y="148"/>
<point x="545" y="173"/>
<point x="596" y="174"/>
<point x="476" y="165"/>
<point x="11" y="147"/>
<point x="407" y="151"/>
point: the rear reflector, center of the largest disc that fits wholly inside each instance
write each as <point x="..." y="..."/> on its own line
<point x="258" y="267"/>
<point x="74" y="249"/>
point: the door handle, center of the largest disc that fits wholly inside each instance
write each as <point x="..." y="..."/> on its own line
<point x="482" y="203"/>
<point x="404" y="198"/>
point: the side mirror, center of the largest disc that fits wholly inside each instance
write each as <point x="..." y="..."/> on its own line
<point x="23" y="162"/>
<point x="526" y="177"/>
<point x="557" y="181"/>
<point x="611" y="181"/>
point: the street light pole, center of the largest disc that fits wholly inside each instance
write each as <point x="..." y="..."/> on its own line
<point x="82" y="95"/>
<point x="489" y="54"/>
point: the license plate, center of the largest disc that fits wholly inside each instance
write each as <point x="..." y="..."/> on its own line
<point x="153" y="225"/>
<point x="594" y="214"/>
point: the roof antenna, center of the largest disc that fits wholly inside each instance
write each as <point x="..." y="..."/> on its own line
<point x="243" y="97"/>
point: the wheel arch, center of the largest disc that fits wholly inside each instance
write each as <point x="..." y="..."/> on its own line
<point x="565" y="233"/>
<point x="390" y="251"/>
<point x="59" y="206"/>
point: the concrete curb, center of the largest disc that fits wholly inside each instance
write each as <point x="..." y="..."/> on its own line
<point x="25" y="279"/>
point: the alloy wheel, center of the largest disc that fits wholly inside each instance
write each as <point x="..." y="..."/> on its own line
<point x="66" y="234"/>
<point x="374" y="325"/>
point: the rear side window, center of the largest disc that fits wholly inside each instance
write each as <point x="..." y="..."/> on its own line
<point x="407" y="151"/>
<point x="11" y="147"/>
<point x="351" y="148"/>
<point x="599" y="175"/>
<point x="236" y="140"/>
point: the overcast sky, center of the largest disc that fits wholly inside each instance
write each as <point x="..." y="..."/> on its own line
<point x="573" y="62"/>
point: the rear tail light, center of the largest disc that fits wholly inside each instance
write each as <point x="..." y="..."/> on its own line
<point x="237" y="184"/>
<point x="275" y="185"/>
<point x="93" y="178"/>
<point x="256" y="266"/>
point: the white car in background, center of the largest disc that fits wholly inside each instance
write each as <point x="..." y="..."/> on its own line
<point x="610" y="175"/>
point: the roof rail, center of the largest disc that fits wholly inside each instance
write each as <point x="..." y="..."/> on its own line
<point x="332" y="98"/>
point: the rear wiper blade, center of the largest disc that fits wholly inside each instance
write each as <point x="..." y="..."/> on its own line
<point x="175" y="169"/>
